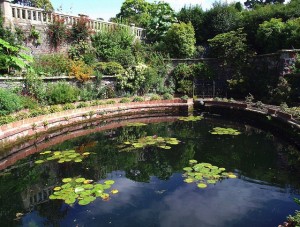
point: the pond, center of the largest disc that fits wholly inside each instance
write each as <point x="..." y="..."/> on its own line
<point x="139" y="169"/>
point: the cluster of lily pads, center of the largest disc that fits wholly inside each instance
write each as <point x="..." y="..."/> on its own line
<point x="82" y="190"/>
<point x="137" y="124"/>
<point x="148" y="141"/>
<point x="204" y="174"/>
<point x="191" y="118"/>
<point x="62" y="156"/>
<point x="225" y="131"/>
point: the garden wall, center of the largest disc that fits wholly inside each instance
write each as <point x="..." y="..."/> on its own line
<point x="281" y="61"/>
<point x="25" y="17"/>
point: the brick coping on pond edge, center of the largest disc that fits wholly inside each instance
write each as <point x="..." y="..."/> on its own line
<point x="19" y="130"/>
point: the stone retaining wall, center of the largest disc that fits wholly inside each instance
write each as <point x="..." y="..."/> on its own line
<point x="16" y="131"/>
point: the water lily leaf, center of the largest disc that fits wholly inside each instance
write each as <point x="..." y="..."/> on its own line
<point x="188" y="169"/>
<point x="61" y="161"/>
<point x="193" y="161"/>
<point x="57" y="153"/>
<point x="201" y="185"/>
<point x="46" y="152"/>
<point x="232" y="176"/>
<point x="56" y="188"/>
<point x="68" y="185"/>
<point x="211" y="181"/>
<point x="189" y="180"/>
<point x="88" y="186"/>
<point x="127" y="143"/>
<point x="78" y="160"/>
<point x="52" y="197"/>
<point x="80" y="180"/>
<point x="78" y="190"/>
<point x="114" y="191"/>
<point x="86" y="153"/>
<point x="109" y="182"/>
<point x="39" y="161"/>
<point x="66" y="180"/>
<point x="84" y="202"/>
<point x="87" y="181"/>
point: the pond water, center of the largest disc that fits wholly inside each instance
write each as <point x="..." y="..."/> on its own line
<point x="150" y="180"/>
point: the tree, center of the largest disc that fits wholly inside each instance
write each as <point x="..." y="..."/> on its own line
<point x="270" y="35"/>
<point x="232" y="52"/>
<point x="180" y="40"/>
<point x="220" y="19"/>
<point x="195" y="15"/>
<point x="135" y="11"/>
<point x="252" y="3"/>
<point x="43" y="4"/>
<point x="162" y="16"/>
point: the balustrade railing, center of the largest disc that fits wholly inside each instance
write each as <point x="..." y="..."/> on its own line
<point x="17" y="14"/>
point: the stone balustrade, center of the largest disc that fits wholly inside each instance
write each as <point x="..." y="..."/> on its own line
<point x="17" y="15"/>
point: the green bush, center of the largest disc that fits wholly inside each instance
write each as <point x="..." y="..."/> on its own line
<point x="180" y="40"/>
<point x="51" y="65"/>
<point x="185" y="97"/>
<point x="36" y="112"/>
<point x="155" y="97"/>
<point x="61" y="93"/>
<point x="9" y="102"/>
<point x="202" y="71"/>
<point x="111" y="102"/>
<point x="55" y="109"/>
<point x="125" y="100"/>
<point x="30" y="103"/>
<point x="69" y="106"/>
<point x="6" y="119"/>
<point x="138" y="99"/>
<point x="167" y="96"/>
<point x="82" y="105"/>
<point x="109" y="68"/>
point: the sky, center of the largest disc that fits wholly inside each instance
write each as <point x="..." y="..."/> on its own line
<point x="109" y="8"/>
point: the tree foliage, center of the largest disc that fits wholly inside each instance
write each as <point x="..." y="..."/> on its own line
<point x="180" y="40"/>
<point x="43" y="4"/>
<point x="252" y="3"/>
<point x="195" y="15"/>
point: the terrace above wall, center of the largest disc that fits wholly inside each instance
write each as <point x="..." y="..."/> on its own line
<point x="21" y="16"/>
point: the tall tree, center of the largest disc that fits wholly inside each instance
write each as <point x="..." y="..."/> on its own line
<point x="252" y="3"/>
<point x="162" y="16"/>
<point x="195" y="15"/>
<point x="135" y="11"/>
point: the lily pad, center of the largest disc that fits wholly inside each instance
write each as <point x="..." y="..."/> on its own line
<point x="201" y="185"/>
<point x="225" y="131"/>
<point x="149" y="141"/>
<point x="204" y="173"/>
<point x="191" y="118"/>
<point x="62" y="156"/>
<point x="82" y="190"/>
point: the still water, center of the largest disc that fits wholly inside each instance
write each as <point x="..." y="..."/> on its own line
<point x="152" y="191"/>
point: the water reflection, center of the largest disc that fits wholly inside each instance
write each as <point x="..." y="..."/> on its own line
<point x="152" y="191"/>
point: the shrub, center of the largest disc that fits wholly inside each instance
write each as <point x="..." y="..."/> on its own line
<point x="202" y="71"/>
<point x="82" y="51"/>
<point x="82" y="105"/>
<point x="36" y="112"/>
<point x="61" y="93"/>
<point x="138" y="99"/>
<point x="35" y="87"/>
<point x="57" y="32"/>
<point x="109" y="68"/>
<point x="155" y="97"/>
<point x="51" y="64"/>
<point x="6" y="119"/>
<point x="180" y="40"/>
<point x="80" y="30"/>
<point x="69" y="106"/>
<point x="80" y="70"/>
<point x="29" y="103"/>
<point x="185" y="97"/>
<point x="125" y="100"/>
<point x="110" y="102"/>
<point x="21" y="116"/>
<point x="55" y="109"/>
<point x="9" y="102"/>
<point x="167" y="96"/>
<point x="96" y="103"/>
